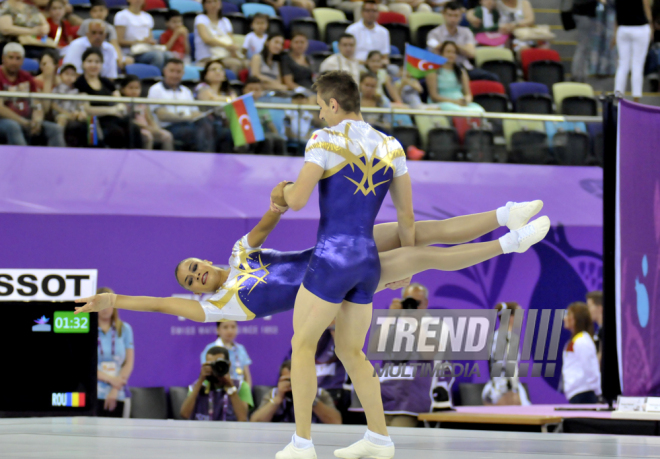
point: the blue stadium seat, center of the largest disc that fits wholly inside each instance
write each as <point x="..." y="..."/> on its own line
<point x="316" y="46"/>
<point x="30" y="65"/>
<point x="289" y="13"/>
<point x="143" y="71"/>
<point x="190" y="73"/>
<point x="156" y="34"/>
<point x="250" y="9"/>
<point x="187" y="6"/>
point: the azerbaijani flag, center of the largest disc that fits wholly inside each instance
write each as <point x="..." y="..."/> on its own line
<point x="419" y="62"/>
<point x="244" y="121"/>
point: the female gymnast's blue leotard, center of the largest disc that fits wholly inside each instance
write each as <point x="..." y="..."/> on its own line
<point x="345" y="262"/>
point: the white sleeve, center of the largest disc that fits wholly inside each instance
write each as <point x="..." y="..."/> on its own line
<point x="73" y="55"/>
<point x="114" y="71"/>
<point x="227" y="26"/>
<point x="315" y="153"/>
<point x="202" y="19"/>
<point x="399" y="162"/>
<point x="121" y="19"/>
<point x="241" y="245"/>
<point x="248" y="41"/>
<point x="149" y="21"/>
<point x="386" y="44"/>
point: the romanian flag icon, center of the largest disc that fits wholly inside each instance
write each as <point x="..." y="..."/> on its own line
<point x="72" y="399"/>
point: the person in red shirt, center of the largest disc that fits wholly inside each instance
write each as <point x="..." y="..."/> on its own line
<point x="61" y="31"/>
<point x="175" y="38"/>
<point x="17" y="117"/>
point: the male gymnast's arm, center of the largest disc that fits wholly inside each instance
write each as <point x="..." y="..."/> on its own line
<point x="401" y="192"/>
<point x="296" y="194"/>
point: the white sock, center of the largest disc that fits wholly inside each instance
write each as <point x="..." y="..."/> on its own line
<point x="300" y="442"/>
<point x="503" y="213"/>
<point x="509" y="242"/>
<point x="376" y="439"/>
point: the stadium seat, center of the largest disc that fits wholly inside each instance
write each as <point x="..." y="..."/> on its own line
<point x="306" y="26"/>
<point x="160" y="18"/>
<point x="258" y="393"/>
<point x="422" y="34"/>
<point x="493" y="102"/>
<point x="177" y="397"/>
<point x="289" y="13"/>
<point x="596" y="134"/>
<point x="486" y="54"/>
<point x="188" y="6"/>
<point x="230" y="8"/>
<point x="317" y="46"/>
<point x="237" y="3"/>
<point x="239" y="23"/>
<point x="191" y="41"/>
<point x="82" y="11"/>
<point x="571" y="148"/>
<point x="334" y="30"/>
<point x="80" y="2"/>
<point x="116" y="3"/>
<point x="471" y="393"/>
<point x="498" y="61"/>
<point x="443" y="144"/>
<point x="148" y="403"/>
<point x="576" y="98"/>
<point x="250" y="9"/>
<point x="530" y="147"/>
<point x="156" y="34"/>
<point x="511" y="126"/>
<point x="479" y="146"/>
<point x="554" y="127"/>
<point x="425" y="123"/>
<point x="524" y="88"/>
<point x="478" y="87"/>
<point x="324" y="16"/>
<point x="389" y="17"/>
<point x="417" y="20"/>
<point x="30" y="65"/>
<point x="527" y="56"/>
<point x="401" y="8"/>
<point x="153" y="5"/>
<point x="275" y="26"/>
<point x="531" y="98"/>
<point x="399" y="35"/>
<point x="395" y="51"/>
<point x="546" y="72"/>
<point x="190" y="73"/>
<point x="143" y="71"/>
<point x="407" y="136"/>
<point x="230" y="75"/>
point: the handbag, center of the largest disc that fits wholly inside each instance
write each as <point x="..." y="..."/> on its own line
<point x="220" y="52"/>
<point x="567" y="19"/>
<point x="539" y="32"/>
<point x="141" y="48"/>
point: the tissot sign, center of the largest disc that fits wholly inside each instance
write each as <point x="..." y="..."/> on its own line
<point x="46" y="284"/>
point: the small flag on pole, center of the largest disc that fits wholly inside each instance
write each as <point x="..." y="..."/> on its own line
<point x="419" y="62"/>
<point x="92" y="135"/>
<point x="244" y="121"/>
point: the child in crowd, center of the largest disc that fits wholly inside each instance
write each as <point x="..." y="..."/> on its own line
<point x="376" y="67"/>
<point x="254" y="41"/>
<point x="142" y="117"/>
<point x="300" y="124"/>
<point x="175" y="38"/>
<point x="99" y="10"/>
<point x="61" y="30"/>
<point x="66" y="111"/>
<point x="274" y="143"/>
<point x="489" y="15"/>
<point x="240" y="360"/>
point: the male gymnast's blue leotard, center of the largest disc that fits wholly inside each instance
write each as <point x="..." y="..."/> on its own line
<point x="262" y="282"/>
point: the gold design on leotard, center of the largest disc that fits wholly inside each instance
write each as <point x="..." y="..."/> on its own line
<point x="366" y="185"/>
<point x="246" y="273"/>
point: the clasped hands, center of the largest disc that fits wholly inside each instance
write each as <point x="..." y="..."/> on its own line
<point x="277" y="201"/>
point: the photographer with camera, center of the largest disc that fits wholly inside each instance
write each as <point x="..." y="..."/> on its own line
<point x="277" y="406"/>
<point x="215" y="396"/>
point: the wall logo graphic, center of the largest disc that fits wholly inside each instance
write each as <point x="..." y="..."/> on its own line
<point x="642" y="295"/>
<point x="42" y="325"/>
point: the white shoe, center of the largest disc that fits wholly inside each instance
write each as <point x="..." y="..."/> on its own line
<point x="364" y="448"/>
<point x="291" y="452"/>
<point x="521" y="212"/>
<point x="532" y="233"/>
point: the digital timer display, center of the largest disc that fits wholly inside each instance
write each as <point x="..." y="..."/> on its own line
<point x="68" y="322"/>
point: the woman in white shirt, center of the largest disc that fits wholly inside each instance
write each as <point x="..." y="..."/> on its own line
<point x="134" y="28"/>
<point x="214" y="38"/>
<point x="580" y="370"/>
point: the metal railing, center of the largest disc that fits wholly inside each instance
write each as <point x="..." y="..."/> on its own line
<point x="279" y="106"/>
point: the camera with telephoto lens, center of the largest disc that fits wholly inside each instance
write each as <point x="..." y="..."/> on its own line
<point x="288" y="396"/>
<point x="220" y="367"/>
<point x="410" y="303"/>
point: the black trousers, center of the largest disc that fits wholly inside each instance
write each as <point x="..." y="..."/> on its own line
<point x="118" y="412"/>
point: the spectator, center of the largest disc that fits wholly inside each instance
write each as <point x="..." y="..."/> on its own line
<point x="215" y="86"/>
<point x="603" y="57"/>
<point x="375" y="68"/>
<point x="296" y="65"/>
<point x="69" y="114"/>
<point x="461" y="36"/>
<point x="634" y="31"/>
<point x="273" y="143"/>
<point x="344" y="60"/>
<point x="18" y="117"/>
<point x="354" y="7"/>
<point x="134" y="28"/>
<point x="300" y="124"/>
<point x="449" y="86"/>
<point x="116" y="357"/>
<point x="47" y="79"/>
<point x="19" y="19"/>
<point x="501" y="389"/>
<point x="584" y="14"/>
<point x="513" y="14"/>
<point x="266" y="65"/>
<point x="595" y="304"/>
<point x="410" y="90"/>
<point x="61" y="30"/>
<point x="215" y="396"/>
<point x="99" y="10"/>
<point x="369" y="35"/>
<point x="255" y="40"/>
<point x="419" y="6"/>
<point x="95" y="38"/>
<point x="116" y="128"/>
<point x="580" y="370"/>
<point x="488" y="16"/>
<point x="238" y="356"/>
<point x="175" y="38"/>
<point x="214" y="37"/>
<point x="277" y="406"/>
<point x="187" y="125"/>
<point x="370" y="98"/>
<point x="140" y="114"/>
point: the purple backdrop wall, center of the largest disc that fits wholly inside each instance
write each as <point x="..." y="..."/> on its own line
<point x="133" y="215"/>
<point x="639" y="230"/>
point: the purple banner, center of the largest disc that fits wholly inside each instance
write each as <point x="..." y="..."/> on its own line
<point x="637" y="250"/>
<point x="133" y="215"/>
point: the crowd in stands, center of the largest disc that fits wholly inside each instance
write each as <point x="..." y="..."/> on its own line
<point x="497" y="60"/>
